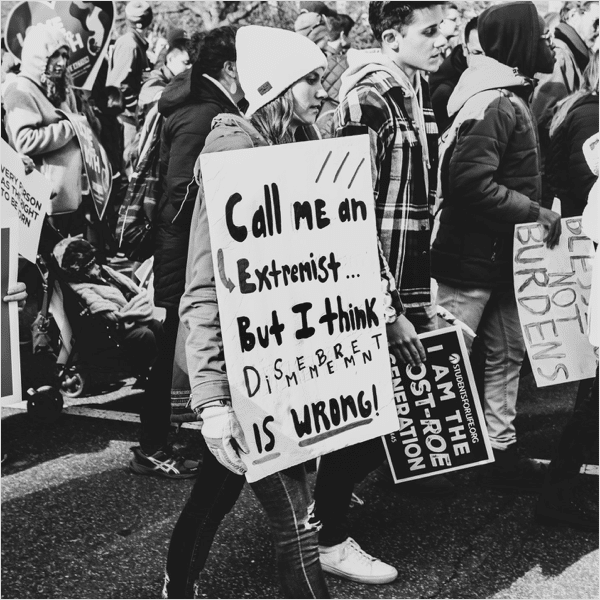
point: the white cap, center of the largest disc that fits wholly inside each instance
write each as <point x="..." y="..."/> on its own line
<point x="270" y="60"/>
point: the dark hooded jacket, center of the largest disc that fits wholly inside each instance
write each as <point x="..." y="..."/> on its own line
<point x="188" y="104"/>
<point x="443" y="82"/>
<point x="492" y="179"/>
<point x="569" y="175"/>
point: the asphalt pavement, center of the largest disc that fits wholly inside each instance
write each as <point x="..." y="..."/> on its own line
<point x="76" y="523"/>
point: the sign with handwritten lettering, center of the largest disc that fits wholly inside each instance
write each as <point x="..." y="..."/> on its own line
<point x="24" y="197"/>
<point x="442" y="427"/>
<point x="300" y="298"/>
<point x="553" y="293"/>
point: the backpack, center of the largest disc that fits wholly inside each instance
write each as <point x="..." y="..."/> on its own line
<point x="138" y="213"/>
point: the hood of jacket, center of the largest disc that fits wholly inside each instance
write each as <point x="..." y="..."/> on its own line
<point x="229" y="132"/>
<point x="485" y="73"/>
<point x="388" y="75"/>
<point x="161" y="74"/>
<point x="190" y="87"/>
<point x="510" y="33"/>
<point x="41" y="42"/>
<point x="364" y="62"/>
<point x="565" y="33"/>
<point x="451" y="69"/>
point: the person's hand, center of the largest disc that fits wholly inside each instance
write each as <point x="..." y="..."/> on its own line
<point x="138" y="308"/>
<point x="404" y="342"/>
<point x="16" y="293"/>
<point x="27" y="163"/>
<point x="224" y="437"/>
<point x="550" y="221"/>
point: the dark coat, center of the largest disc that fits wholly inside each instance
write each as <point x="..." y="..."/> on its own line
<point x="189" y="104"/>
<point x="443" y="82"/>
<point x="492" y="180"/>
<point x="127" y="66"/>
<point x="569" y="175"/>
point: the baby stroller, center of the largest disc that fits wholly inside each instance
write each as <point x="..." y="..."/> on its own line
<point x="89" y="348"/>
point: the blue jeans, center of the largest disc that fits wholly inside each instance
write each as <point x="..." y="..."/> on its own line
<point x="493" y="314"/>
<point x="286" y="498"/>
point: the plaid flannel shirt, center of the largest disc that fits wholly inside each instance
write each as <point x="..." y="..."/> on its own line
<point x="403" y="209"/>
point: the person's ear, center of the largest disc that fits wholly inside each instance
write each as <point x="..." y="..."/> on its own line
<point x="572" y="13"/>
<point x="230" y="68"/>
<point x="390" y="38"/>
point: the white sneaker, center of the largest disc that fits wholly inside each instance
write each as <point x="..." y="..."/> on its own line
<point x="350" y="561"/>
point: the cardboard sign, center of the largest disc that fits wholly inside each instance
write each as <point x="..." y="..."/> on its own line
<point x="95" y="160"/>
<point x="296" y="265"/>
<point x="86" y="25"/>
<point x="11" y="359"/>
<point x="553" y="293"/>
<point x="24" y="197"/>
<point x="442" y="427"/>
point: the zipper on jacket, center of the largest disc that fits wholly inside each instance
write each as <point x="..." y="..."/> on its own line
<point x="494" y="250"/>
<point x="184" y="201"/>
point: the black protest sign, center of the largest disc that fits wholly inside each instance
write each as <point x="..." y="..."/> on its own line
<point x="442" y="428"/>
<point x="95" y="160"/>
<point x="86" y="26"/>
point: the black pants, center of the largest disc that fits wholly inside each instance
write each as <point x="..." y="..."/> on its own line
<point x="579" y="437"/>
<point x="338" y="473"/>
<point x="155" y="412"/>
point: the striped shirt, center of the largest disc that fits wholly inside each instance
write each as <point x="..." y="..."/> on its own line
<point x="377" y="105"/>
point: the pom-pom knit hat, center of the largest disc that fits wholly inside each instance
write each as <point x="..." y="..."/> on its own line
<point x="41" y="42"/>
<point x="270" y="60"/>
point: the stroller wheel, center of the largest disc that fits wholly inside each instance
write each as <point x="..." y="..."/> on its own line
<point x="72" y="384"/>
<point x="44" y="405"/>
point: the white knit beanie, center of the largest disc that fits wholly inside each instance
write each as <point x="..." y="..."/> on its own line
<point x="41" y="42"/>
<point x="270" y="60"/>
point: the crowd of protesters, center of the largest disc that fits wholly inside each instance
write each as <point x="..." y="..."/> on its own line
<point x="515" y="94"/>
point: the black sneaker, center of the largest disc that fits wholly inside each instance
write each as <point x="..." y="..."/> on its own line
<point x="511" y="473"/>
<point x="164" y="462"/>
<point x="565" y="514"/>
<point x="429" y="487"/>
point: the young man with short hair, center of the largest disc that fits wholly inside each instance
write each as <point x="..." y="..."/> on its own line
<point x="383" y="94"/>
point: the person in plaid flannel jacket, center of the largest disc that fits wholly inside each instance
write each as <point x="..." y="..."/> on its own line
<point x="384" y="94"/>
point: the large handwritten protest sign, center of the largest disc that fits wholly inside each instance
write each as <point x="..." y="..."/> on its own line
<point x="297" y="274"/>
<point x="442" y="427"/>
<point x="553" y="292"/>
<point x="95" y="160"/>
<point x="86" y="25"/>
<point x="26" y="197"/>
<point x="11" y="361"/>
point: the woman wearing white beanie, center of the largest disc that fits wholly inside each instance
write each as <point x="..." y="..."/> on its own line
<point x="280" y="72"/>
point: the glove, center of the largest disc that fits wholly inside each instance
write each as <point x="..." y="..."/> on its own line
<point x="224" y="437"/>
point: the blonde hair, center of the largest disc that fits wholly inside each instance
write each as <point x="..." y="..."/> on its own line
<point x="589" y="85"/>
<point x="273" y="119"/>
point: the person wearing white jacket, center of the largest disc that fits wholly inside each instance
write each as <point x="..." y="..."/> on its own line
<point x="34" y="124"/>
